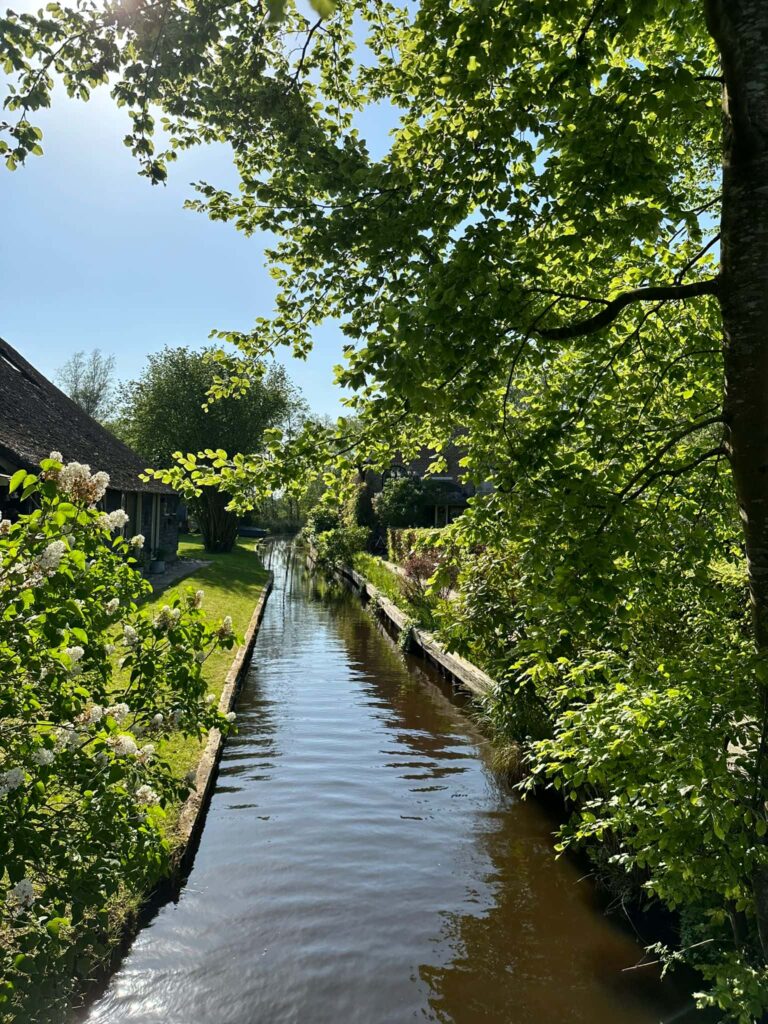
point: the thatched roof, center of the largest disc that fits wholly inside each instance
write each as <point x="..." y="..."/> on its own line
<point x="37" y="418"/>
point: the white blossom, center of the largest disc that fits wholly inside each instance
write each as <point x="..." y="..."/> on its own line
<point x="118" y="519"/>
<point x="74" y="653"/>
<point x="11" y="780"/>
<point x="95" y="714"/>
<point x="111" y="606"/>
<point x="200" y="657"/>
<point x="5" y="527"/>
<point x="231" y="716"/>
<point x="146" y="753"/>
<point x="157" y="720"/>
<point x="56" y="457"/>
<point x="130" y="636"/>
<point x="123" y="745"/>
<point x="210" y="698"/>
<point x="197" y="601"/>
<point x="137" y="541"/>
<point x="101" y="482"/>
<point x="24" y="894"/>
<point x="110" y="649"/>
<point x="67" y="737"/>
<point x="119" y="712"/>
<point x="50" y="558"/>
<point x="225" y="629"/>
<point x="147" y="795"/>
<point x="43" y="756"/>
<point x="175" y="717"/>
<point x="165" y="618"/>
<point x="76" y="481"/>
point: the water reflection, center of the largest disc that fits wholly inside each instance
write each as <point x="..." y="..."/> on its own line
<point x="361" y="864"/>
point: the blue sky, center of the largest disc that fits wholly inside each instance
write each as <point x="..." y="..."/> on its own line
<point x="93" y="256"/>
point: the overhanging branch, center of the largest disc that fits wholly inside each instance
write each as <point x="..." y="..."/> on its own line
<point x="653" y="293"/>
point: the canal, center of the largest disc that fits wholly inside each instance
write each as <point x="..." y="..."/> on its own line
<point x="360" y="864"/>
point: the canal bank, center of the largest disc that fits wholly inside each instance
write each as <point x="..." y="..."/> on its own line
<point x="361" y="863"/>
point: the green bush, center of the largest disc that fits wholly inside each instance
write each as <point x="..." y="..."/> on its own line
<point x="402" y="543"/>
<point x="339" y="546"/>
<point x="88" y="685"/>
<point x="323" y="518"/>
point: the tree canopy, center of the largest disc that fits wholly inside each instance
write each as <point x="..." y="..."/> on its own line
<point x="533" y="261"/>
<point x="89" y="380"/>
<point x="165" y="411"/>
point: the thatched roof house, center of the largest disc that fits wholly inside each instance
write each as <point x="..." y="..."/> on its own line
<point x="37" y="418"/>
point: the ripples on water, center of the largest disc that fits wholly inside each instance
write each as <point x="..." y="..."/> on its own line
<point x="360" y="865"/>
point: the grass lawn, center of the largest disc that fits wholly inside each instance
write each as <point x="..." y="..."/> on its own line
<point x="382" y="577"/>
<point x="232" y="585"/>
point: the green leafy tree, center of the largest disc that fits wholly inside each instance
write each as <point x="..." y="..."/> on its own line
<point x="562" y="253"/>
<point x="166" y="411"/>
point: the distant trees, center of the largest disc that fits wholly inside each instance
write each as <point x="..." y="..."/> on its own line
<point x="164" y="411"/>
<point x="89" y="381"/>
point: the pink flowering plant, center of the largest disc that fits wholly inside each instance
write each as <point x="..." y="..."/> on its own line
<point x="90" y="686"/>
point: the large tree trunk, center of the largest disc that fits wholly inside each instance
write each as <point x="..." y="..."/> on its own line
<point x="217" y="525"/>
<point x="740" y="30"/>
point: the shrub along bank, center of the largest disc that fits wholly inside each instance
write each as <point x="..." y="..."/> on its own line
<point x="105" y="697"/>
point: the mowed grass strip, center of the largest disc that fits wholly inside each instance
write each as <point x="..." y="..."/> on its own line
<point x="232" y="584"/>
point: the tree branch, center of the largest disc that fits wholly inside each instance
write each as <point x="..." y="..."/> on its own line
<point x="676" y="471"/>
<point x="652" y="293"/>
<point x="659" y="454"/>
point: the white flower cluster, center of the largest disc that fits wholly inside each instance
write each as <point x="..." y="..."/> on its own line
<point x="67" y="737"/>
<point x="197" y="600"/>
<point x="74" y="653"/>
<point x="43" y="756"/>
<point x="115" y="520"/>
<point x="123" y="746"/>
<point x="157" y="720"/>
<point x="146" y="753"/>
<point x="5" y="526"/>
<point x="231" y="716"/>
<point x="167" y="617"/>
<point x="50" y="559"/>
<point x="225" y="629"/>
<point x="23" y="893"/>
<point x="77" y="482"/>
<point x="11" y="780"/>
<point x="147" y="795"/>
<point x="112" y="605"/>
<point x="137" y="541"/>
<point x="119" y="712"/>
<point x="130" y="636"/>
<point x="91" y="715"/>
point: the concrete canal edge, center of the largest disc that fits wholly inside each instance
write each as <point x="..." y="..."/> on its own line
<point x="191" y="822"/>
<point x="192" y="817"/>
<point x="461" y="672"/>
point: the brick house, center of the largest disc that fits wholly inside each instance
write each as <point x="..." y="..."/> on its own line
<point x="37" y="418"/>
<point x="451" y="497"/>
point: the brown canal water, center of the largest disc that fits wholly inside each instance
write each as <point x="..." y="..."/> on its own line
<point x="360" y="864"/>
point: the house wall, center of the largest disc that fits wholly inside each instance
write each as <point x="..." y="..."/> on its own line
<point x="160" y="525"/>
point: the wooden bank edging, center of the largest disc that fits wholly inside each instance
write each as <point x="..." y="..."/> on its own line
<point x="461" y="671"/>
<point x="192" y="815"/>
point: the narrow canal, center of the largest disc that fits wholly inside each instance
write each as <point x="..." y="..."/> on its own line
<point x="360" y="864"/>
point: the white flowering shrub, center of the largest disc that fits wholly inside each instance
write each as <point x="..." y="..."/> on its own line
<point x="89" y="686"/>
